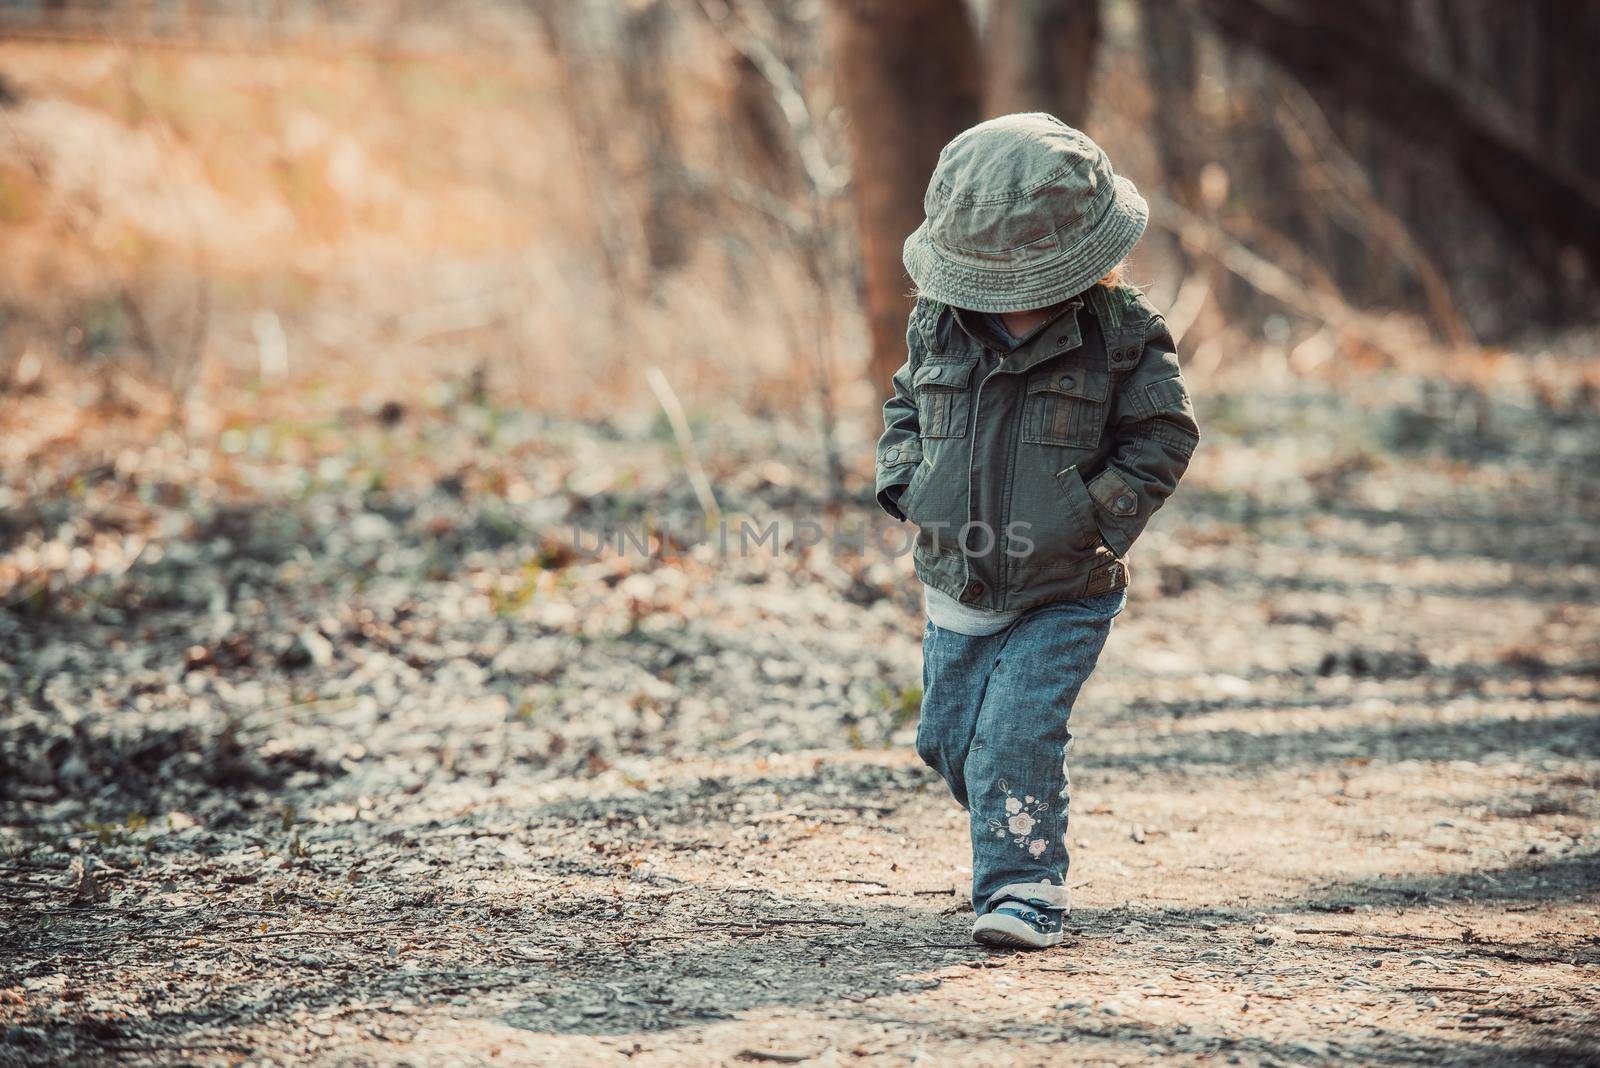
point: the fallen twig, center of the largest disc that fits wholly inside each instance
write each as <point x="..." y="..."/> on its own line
<point x="784" y="920"/>
<point x="776" y="1058"/>
<point x="255" y="936"/>
<point x="262" y="936"/>
<point x="181" y="1047"/>
<point x="691" y="455"/>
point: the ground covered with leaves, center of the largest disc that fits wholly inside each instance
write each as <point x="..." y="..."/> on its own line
<point x="325" y="741"/>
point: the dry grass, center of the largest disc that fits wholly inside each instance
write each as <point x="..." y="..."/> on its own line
<point x="422" y="214"/>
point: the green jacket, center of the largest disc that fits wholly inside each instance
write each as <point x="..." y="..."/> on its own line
<point x="1029" y="475"/>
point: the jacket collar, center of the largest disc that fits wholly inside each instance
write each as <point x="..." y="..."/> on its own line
<point x="950" y="330"/>
<point x="1057" y="334"/>
<point x="982" y="328"/>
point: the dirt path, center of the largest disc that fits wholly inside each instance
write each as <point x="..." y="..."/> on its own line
<point x="375" y="779"/>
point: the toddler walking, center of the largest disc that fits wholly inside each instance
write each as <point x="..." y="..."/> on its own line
<point x="1038" y="422"/>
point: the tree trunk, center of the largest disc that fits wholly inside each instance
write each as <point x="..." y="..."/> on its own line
<point x="1040" y="56"/>
<point x="669" y="226"/>
<point x="1168" y="40"/>
<point x="909" y="78"/>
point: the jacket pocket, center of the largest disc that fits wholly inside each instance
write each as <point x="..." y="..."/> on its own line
<point x="908" y="495"/>
<point x="1066" y="406"/>
<point x="1083" y="533"/>
<point x="944" y="397"/>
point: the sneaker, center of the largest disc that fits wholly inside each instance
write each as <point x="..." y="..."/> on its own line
<point x="1014" y="924"/>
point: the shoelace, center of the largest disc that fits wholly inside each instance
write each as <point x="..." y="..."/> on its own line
<point x="1028" y="912"/>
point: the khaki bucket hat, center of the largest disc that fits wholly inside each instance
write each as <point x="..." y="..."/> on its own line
<point x="1023" y="212"/>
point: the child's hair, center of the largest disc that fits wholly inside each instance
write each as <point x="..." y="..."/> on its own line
<point x="1117" y="276"/>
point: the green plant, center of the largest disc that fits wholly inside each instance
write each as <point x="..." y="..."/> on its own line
<point x="902" y="706"/>
<point x="519" y="596"/>
<point x="118" y="834"/>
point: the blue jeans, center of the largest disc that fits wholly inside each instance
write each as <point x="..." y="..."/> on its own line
<point x="994" y="725"/>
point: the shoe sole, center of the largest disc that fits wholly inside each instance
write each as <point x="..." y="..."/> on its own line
<point x="1004" y="932"/>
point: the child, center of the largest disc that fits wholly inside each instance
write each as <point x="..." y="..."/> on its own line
<point x="1037" y="424"/>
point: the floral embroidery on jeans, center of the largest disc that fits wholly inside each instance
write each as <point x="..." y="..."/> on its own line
<point x="1022" y="817"/>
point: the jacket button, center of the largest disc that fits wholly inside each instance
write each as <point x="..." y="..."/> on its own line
<point x="974" y="589"/>
<point x="892" y="455"/>
<point x="1062" y="340"/>
<point x="1067" y="381"/>
<point x="1124" y="503"/>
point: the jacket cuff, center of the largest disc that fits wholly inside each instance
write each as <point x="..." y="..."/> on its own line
<point x="896" y="464"/>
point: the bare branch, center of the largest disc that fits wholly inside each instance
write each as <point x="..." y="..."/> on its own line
<point x="1268" y="277"/>
<point x="731" y="21"/>
<point x="1312" y="140"/>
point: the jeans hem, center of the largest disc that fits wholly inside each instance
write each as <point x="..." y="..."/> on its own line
<point x="1049" y="895"/>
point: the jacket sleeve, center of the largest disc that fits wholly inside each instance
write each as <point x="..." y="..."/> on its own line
<point x="1155" y="433"/>
<point x="900" y="447"/>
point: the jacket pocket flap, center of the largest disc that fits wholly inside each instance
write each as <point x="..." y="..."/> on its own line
<point x="1072" y="382"/>
<point x="943" y="374"/>
<point x="1114" y="493"/>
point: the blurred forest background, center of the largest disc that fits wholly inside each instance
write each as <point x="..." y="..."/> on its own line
<point x="205" y="197"/>
<point x="321" y="324"/>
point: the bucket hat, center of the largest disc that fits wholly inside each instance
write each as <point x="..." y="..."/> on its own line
<point x="1023" y="211"/>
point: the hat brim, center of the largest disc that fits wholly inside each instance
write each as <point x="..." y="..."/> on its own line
<point x="963" y="285"/>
